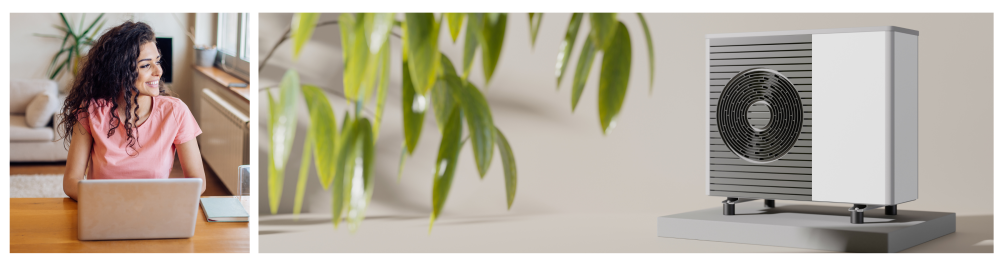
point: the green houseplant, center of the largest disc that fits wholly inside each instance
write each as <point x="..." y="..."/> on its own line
<point x="344" y="156"/>
<point x="74" y="42"/>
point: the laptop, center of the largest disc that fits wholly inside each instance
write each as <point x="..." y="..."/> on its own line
<point x="116" y="209"/>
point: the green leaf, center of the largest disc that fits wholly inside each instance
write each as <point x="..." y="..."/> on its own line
<point x="300" y="187"/>
<point x="447" y="162"/>
<point x="402" y="161"/>
<point x="583" y="65"/>
<point x="566" y="48"/>
<point x="69" y="28"/>
<point x="346" y="154"/>
<point x="414" y="106"/>
<point x="421" y="31"/>
<point x="302" y="29"/>
<point x="56" y="58"/>
<point x="346" y="23"/>
<point x="323" y="128"/>
<point x="282" y="135"/>
<point x="477" y="113"/>
<point x="615" y="70"/>
<point x="92" y="24"/>
<point x="534" y="22"/>
<point x="378" y="26"/>
<point x="83" y="17"/>
<point x="362" y="65"/>
<point x="361" y="198"/>
<point x="69" y="58"/>
<point x="649" y="48"/>
<point x="454" y="24"/>
<point x="471" y="44"/>
<point x="272" y="173"/>
<point x="442" y="95"/>
<point x="602" y="29"/>
<point x="383" y="88"/>
<point x="94" y="33"/>
<point x="492" y="42"/>
<point x="509" y="167"/>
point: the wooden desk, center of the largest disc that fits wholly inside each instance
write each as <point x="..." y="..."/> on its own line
<point x="50" y="225"/>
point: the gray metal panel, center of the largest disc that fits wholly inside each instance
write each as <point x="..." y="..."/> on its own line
<point x="788" y="177"/>
<point x="805" y="122"/>
<point x="772" y="183"/>
<point x="905" y="118"/>
<point x="762" y="169"/>
<point x="761" y="55"/>
<point x="738" y="68"/>
<point x="745" y="175"/>
<point x="787" y="157"/>
<point x="761" y="62"/>
<point x="800" y="142"/>
<point x="755" y="195"/>
<point x="757" y="48"/>
<point x="803" y="136"/>
<point x="765" y="40"/>
<point x="741" y="162"/>
<point x="812" y="31"/>
<point x="800" y="88"/>
<point x="789" y="74"/>
<point x="795" y="81"/>
<point x="760" y="189"/>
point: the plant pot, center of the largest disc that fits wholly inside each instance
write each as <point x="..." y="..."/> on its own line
<point x="204" y="57"/>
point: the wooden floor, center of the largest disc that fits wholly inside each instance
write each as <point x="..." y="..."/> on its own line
<point x="214" y="186"/>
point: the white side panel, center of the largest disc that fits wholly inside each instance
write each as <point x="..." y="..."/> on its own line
<point x="905" y="93"/>
<point x="850" y="108"/>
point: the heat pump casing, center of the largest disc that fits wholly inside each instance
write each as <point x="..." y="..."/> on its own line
<point x="858" y="93"/>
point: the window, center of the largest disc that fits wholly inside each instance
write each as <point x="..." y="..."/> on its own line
<point x="232" y="43"/>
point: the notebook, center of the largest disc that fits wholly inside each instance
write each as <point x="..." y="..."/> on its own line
<point x="227" y="209"/>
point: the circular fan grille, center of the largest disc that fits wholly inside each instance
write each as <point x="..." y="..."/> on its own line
<point x="759" y="115"/>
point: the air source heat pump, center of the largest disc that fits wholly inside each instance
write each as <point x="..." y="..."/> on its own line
<point x="813" y="115"/>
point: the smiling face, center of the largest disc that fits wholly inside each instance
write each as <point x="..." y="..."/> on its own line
<point x="148" y="67"/>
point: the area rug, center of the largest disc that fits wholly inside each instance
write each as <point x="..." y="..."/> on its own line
<point x="36" y="186"/>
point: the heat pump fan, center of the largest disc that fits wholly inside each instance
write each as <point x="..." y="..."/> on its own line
<point x="814" y="115"/>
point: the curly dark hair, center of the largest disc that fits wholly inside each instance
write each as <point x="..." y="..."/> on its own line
<point x="109" y="72"/>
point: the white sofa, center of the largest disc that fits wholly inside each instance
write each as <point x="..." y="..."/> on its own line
<point x="32" y="136"/>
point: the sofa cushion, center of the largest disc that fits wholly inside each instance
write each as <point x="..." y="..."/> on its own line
<point x="40" y="110"/>
<point x="22" y="91"/>
<point x="20" y="132"/>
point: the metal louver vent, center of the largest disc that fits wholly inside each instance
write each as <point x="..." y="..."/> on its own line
<point x="759" y="115"/>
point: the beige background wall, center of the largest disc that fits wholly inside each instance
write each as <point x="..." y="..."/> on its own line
<point x="654" y="161"/>
<point x="30" y="55"/>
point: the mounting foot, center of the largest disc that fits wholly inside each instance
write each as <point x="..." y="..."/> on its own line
<point x="769" y="203"/>
<point x="729" y="206"/>
<point x="890" y="210"/>
<point x="858" y="213"/>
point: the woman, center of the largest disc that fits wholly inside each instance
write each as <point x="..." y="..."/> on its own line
<point x="117" y="120"/>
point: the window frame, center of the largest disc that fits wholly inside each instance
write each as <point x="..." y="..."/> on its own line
<point x="237" y="63"/>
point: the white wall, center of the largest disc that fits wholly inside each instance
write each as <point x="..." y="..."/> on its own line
<point x="653" y="163"/>
<point x="30" y="55"/>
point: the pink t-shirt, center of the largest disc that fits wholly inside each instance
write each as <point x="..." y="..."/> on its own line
<point x="170" y="123"/>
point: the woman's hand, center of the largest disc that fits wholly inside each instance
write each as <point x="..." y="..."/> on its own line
<point x="77" y="159"/>
<point x="190" y="157"/>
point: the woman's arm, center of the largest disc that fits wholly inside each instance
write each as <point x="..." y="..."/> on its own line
<point x="77" y="159"/>
<point x="190" y="157"/>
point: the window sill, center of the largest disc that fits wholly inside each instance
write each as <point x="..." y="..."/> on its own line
<point x="224" y="79"/>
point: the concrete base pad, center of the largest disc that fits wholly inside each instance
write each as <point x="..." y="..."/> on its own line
<point x="809" y="226"/>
